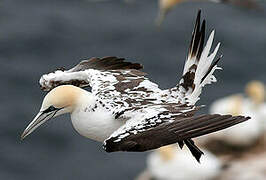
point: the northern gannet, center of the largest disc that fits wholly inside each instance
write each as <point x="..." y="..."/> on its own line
<point x="170" y="163"/>
<point x="126" y="111"/>
<point x="166" y="5"/>
<point x="251" y="166"/>
<point x="253" y="105"/>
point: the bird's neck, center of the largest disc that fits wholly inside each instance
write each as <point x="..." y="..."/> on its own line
<point x="84" y="100"/>
<point x="92" y="120"/>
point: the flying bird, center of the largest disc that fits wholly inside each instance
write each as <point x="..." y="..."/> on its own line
<point x="165" y="6"/>
<point x="126" y="111"/>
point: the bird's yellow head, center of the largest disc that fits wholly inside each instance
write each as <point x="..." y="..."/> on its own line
<point x="256" y="91"/>
<point x="62" y="99"/>
<point x="167" y="152"/>
<point x="164" y="7"/>
<point x="168" y="4"/>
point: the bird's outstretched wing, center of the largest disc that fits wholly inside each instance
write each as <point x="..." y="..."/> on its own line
<point x="110" y="78"/>
<point x="160" y="125"/>
<point x="78" y="77"/>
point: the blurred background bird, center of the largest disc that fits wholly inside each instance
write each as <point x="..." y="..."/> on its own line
<point x="251" y="104"/>
<point x="247" y="168"/>
<point x="165" y="6"/>
<point x="171" y="163"/>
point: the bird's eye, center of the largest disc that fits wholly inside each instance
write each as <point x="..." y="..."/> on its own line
<point x="50" y="109"/>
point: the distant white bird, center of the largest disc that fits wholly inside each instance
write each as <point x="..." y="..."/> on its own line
<point x="247" y="168"/>
<point x="166" y="5"/>
<point x="169" y="163"/>
<point x="126" y="111"/>
<point x="247" y="133"/>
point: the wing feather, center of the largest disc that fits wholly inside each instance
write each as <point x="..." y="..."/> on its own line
<point x="105" y="64"/>
<point x="167" y="128"/>
<point x="112" y="79"/>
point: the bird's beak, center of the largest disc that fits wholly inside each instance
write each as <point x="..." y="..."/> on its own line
<point x="39" y="119"/>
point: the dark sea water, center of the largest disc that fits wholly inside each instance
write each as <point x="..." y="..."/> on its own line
<point x="38" y="36"/>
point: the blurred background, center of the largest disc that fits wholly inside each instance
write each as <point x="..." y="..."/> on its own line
<point x="39" y="36"/>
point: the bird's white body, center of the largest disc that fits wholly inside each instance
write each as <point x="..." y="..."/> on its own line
<point x="182" y="166"/>
<point x="94" y="123"/>
<point x="262" y="111"/>
<point x="249" y="167"/>
<point x="98" y="125"/>
<point x="243" y="134"/>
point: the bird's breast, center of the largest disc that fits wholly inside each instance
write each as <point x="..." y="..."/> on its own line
<point x="98" y="124"/>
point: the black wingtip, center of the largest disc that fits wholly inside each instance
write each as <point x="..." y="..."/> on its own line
<point x="198" y="18"/>
<point x="198" y="35"/>
<point x="199" y="13"/>
<point x="106" y="63"/>
<point x="206" y="124"/>
<point x="201" y="39"/>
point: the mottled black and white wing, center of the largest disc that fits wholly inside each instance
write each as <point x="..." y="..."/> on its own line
<point x="79" y="75"/>
<point x="153" y="127"/>
<point x="110" y="78"/>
